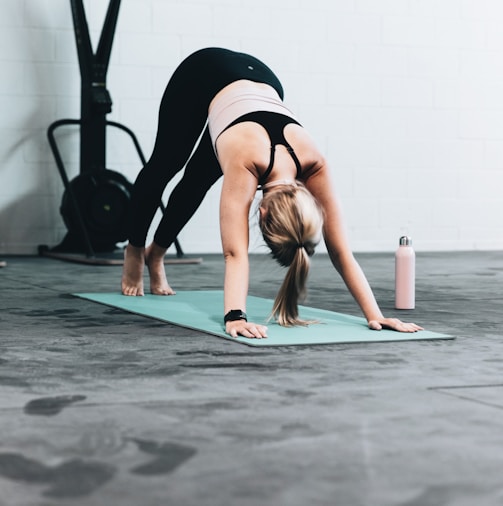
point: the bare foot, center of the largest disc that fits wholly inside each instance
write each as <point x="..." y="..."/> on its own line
<point x="154" y="258"/>
<point x="132" y="271"/>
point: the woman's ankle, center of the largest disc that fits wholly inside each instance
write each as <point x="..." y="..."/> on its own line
<point x="135" y="250"/>
<point x="155" y="252"/>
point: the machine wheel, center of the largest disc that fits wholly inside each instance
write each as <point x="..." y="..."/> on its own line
<point x="103" y="198"/>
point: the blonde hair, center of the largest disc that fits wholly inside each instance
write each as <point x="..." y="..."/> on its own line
<point x="291" y="223"/>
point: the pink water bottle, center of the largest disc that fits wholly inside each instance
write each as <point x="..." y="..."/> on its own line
<point x="405" y="275"/>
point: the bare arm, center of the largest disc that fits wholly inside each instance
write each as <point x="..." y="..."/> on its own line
<point x="238" y="190"/>
<point x="342" y="258"/>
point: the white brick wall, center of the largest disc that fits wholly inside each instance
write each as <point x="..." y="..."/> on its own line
<point x="405" y="97"/>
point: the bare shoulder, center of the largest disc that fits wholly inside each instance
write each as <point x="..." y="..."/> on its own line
<point x="244" y="145"/>
<point x="305" y="148"/>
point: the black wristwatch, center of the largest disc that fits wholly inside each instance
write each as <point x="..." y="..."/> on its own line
<point x="234" y="315"/>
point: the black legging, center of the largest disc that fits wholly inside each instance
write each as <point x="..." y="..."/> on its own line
<point x="182" y="117"/>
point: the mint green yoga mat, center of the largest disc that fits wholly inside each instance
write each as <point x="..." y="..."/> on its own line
<point x="202" y="310"/>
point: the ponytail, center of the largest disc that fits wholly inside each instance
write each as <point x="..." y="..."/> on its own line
<point x="291" y="226"/>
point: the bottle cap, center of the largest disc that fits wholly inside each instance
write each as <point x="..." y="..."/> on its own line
<point x="405" y="240"/>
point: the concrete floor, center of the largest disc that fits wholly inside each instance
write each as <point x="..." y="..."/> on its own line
<point x="100" y="407"/>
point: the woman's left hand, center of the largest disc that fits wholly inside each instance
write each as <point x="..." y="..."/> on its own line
<point x="393" y="324"/>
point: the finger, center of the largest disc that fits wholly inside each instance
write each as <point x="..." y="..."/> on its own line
<point x="240" y="330"/>
<point x="408" y="327"/>
<point x="375" y="325"/>
<point x="249" y="333"/>
<point x="397" y="325"/>
<point x="261" y="331"/>
<point x="233" y="330"/>
<point x="412" y="326"/>
<point x="254" y="332"/>
<point x="417" y="328"/>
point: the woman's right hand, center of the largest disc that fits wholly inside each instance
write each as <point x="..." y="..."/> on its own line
<point x="246" y="329"/>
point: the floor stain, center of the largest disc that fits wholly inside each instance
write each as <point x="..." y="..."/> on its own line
<point x="11" y="381"/>
<point x="73" y="478"/>
<point x="50" y="406"/>
<point x="220" y="354"/>
<point x="60" y="313"/>
<point x="222" y="365"/>
<point x="167" y="456"/>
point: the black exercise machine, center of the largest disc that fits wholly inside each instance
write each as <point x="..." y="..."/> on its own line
<point x="95" y="204"/>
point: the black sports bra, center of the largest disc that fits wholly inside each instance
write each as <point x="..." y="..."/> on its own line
<point x="274" y="124"/>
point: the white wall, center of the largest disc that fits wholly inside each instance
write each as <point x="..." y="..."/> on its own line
<point x="405" y="97"/>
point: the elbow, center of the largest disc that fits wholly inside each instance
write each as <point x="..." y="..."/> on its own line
<point x="233" y="255"/>
<point x="229" y="255"/>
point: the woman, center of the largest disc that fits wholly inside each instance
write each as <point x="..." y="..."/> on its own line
<point x="253" y="140"/>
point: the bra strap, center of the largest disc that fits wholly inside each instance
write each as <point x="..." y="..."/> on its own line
<point x="292" y="153"/>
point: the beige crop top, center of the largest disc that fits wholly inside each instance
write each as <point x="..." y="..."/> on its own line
<point x="235" y="103"/>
